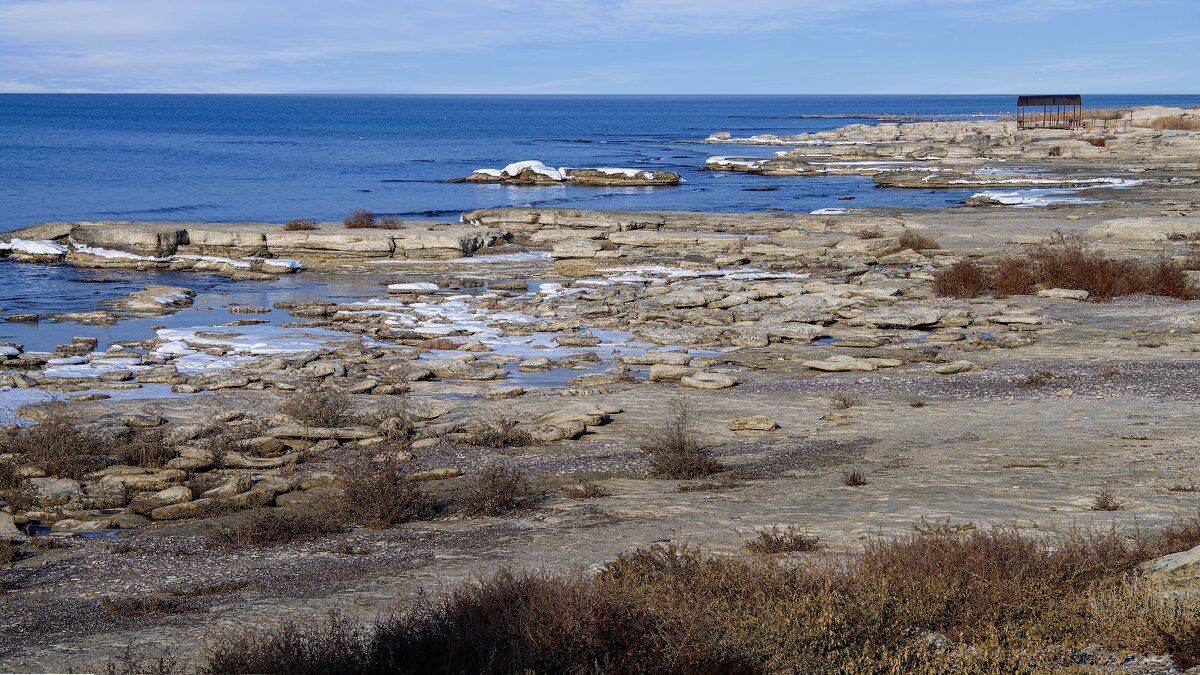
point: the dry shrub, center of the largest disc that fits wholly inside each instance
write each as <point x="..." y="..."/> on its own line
<point x="1056" y="151"/>
<point x="675" y="448"/>
<point x="8" y="552"/>
<point x="854" y="478"/>
<point x="1006" y="601"/>
<point x="1175" y="123"/>
<point x="317" y="406"/>
<point x="300" y="225"/>
<point x="58" y="443"/>
<point x="359" y="219"/>
<point x="498" y="432"/>
<point x="845" y="401"/>
<point x="150" y="449"/>
<point x="10" y="476"/>
<point x="870" y="233"/>
<point x="1105" y="500"/>
<point x="1011" y="276"/>
<point x="495" y="491"/>
<point x="271" y="527"/>
<point x="144" y="660"/>
<point x="378" y="494"/>
<point x="1066" y="262"/>
<point x="917" y="241"/>
<point x="963" y="279"/>
<point x="1097" y="141"/>
<point x="775" y="540"/>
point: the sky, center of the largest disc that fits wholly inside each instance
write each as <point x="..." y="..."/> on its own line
<point x="600" y="46"/>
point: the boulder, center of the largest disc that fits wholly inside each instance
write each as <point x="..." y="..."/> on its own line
<point x="954" y="368"/>
<point x="147" y="502"/>
<point x="706" y="380"/>
<point x="842" y="364"/>
<point x="199" y="507"/>
<point x="1063" y="294"/>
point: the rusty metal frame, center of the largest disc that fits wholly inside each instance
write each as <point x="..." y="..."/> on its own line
<point x="1063" y="111"/>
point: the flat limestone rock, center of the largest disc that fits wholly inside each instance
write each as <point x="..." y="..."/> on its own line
<point x="954" y="368"/>
<point x="842" y="364"/>
<point x="705" y="380"/>
<point x="756" y="423"/>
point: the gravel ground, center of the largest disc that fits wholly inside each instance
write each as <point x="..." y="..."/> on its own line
<point x="1162" y="380"/>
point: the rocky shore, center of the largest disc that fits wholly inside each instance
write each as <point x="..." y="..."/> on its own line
<point x="850" y="373"/>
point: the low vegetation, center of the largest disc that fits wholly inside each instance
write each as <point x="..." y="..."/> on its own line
<point x="675" y="448"/>
<point x="378" y="494"/>
<point x="1065" y="262"/>
<point x="917" y="241"/>
<point x="1105" y="500"/>
<point x="141" y="605"/>
<point x="59" y="444"/>
<point x="359" y="219"/>
<point x="845" y="401"/>
<point x="775" y="540"/>
<point x="150" y="449"/>
<point x="271" y="527"/>
<point x="584" y="489"/>
<point x="8" y="552"/>
<point x="495" y="491"/>
<point x="499" y="432"/>
<point x="300" y="225"/>
<point x="854" y="478"/>
<point x="317" y="406"/>
<point x="1175" y="123"/>
<point x="941" y="600"/>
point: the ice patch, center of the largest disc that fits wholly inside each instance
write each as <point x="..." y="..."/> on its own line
<point x="114" y="254"/>
<point x="255" y="340"/>
<point x="414" y="286"/>
<point x="33" y="247"/>
<point x="829" y="212"/>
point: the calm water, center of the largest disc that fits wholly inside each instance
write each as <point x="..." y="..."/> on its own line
<point x="222" y="158"/>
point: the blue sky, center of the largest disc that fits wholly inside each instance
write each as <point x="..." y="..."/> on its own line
<point x="601" y="46"/>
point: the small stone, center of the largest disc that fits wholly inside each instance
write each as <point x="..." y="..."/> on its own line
<point x="1063" y="294"/>
<point x="1064" y="393"/>
<point x="954" y="368"/>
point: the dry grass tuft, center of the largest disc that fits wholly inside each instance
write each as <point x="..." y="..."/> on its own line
<point x="300" y="225"/>
<point x="777" y="540"/>
<point x="1011" y="275"/>
<point x="151" y="449"/>
<point x="918" y="241"/>
<point x="1039" y="378"/>
<point x="317" y="406"/>
<point x="495" y="491"/>
<point x="675" y="448"/>
<point x="1175" y="123"/>
<point x="870" y="233"/>
<point x="854" y="478"/>
<point x="271" y="527"/>
<point x="359" y="219"/>
<point x="8" y="552"/>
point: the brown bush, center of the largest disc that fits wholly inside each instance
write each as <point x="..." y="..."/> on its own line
<point x="1056" y="151"/>
<point x="300" y="225"/>
<point x="1011" y="275"/>
<point x="1066" y="262"/>
<point x="1005" y="601"/>
<point x="150" y="449"/>
<point x="775" y="540"/>
<point x="272" y="527"/>
<point x="498" y="432"/>
<point x="60" y="444"/>
<point x="378" y="494"/>
<point x="675" y="448"/>
<point x="8" y="553"/>
<point x="1039" y="378"/>
<point x="317" y="406"/>
<point x="495" y="491"/>
<point x="917" y="241"/>
<point x="359" y="219"/>
<point x="963" y="279"/>
<point x="144" y="660"/>
<point x="844" y="400"/>
<point x="10" y="476"/>
<point x="1175" y="123"/>
<point x="1097" y="141"/>
<point x="870" y="233"/>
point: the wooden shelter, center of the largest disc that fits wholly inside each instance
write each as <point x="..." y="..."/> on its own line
<point x="1050" y="112"/>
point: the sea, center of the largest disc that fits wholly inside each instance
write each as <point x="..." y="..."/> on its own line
<point x="275" y="158"/>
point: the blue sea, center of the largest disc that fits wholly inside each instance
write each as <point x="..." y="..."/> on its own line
<point x="274" y="158"/>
